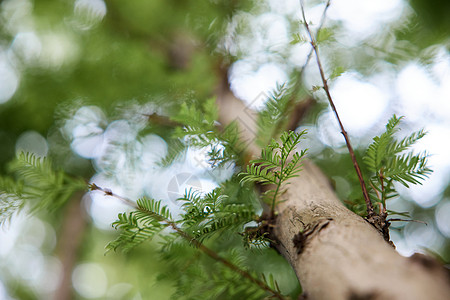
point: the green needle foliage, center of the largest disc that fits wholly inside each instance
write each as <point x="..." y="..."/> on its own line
<point x="204" y="216"/>
<point x="387" y="160"/>
<point x="199" y="128"/>
<point x="276" y="166"/>
<point x="140" y="225"/>
<point x="200" y="277"/>
<point x="211" y="214"/>
<point x="274" y="114"/>
<point x="33" y="181"/>
<point x="208" y="215"/>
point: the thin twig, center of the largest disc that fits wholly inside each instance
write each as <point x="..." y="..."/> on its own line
<point x="299" y="109"/>
<point x="108" y="192"/>
<point x="369" y="205"/>
<point x="208" y="251"/>
<point x="403" y="220"/>
<point x="322" y="22"/>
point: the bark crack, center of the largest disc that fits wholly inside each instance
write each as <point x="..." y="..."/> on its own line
<point x="301" y="239"/>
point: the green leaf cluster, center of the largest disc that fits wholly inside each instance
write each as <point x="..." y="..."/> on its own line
<point x="200" y="277"/>
<point x="389" y="161"/>
<point x="140" y="225"/>
<point x="205" y="216"/>
<point x="273" y="117"/>
<point x="200" y="128"/>
<point x="210" y="214"/>
<point x="276" y="166"/>
<point x="35" y="182"/>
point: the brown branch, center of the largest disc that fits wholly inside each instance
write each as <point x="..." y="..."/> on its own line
<point x="208" y="251"/>
<point x="301" y="108"/>
<point x="370" y="210"/>
<point x="71" y="235"/>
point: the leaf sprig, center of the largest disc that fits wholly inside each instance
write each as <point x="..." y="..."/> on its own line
<point x="388" y="163"/>
<point x="199" y="128"/>
<point x="208" y="214"/>
<point x="34" y="181"/>
<point x="149" y="218"/>
<point x="140" y="225"/>
<point x="274" y="166"/>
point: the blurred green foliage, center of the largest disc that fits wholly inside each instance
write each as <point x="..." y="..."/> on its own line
<point x="137" y="52"/>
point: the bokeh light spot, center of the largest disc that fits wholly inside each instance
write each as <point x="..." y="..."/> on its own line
<point x="89" y="280"/>
<point x="443" y="218"/>
<point x="32" y="141"/>
<point x="9" y="79"/>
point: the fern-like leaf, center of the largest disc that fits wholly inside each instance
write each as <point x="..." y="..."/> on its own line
<point x="36" y="183"/>
<point x="387" y="161"/>
<point x="207" y="214"/>
<point x="274" y="114"/>
<point x="134" y="229"/>
<point x="153" y="209"/>
<point x="276" y="166"/>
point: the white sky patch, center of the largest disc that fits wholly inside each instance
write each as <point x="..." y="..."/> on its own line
<point x="120" y="131"/>
<point x="441" y="74"/>
<point x="168" y="184"/>
<point x="248" y="85"/>
<point x="443" y="217"/>
<point x="419" y="236"/>
<point x="10" y="234"/>
<point x="18" y="15"/>
<point x="124" y="170"/>
<point x="364" y="17"/>
<point x="417" y="91"/>
<point x="401" y="245"/>
<point x="313" y="16"/>
<point x="95" y="9"/>
<point x="86" y="132"/>
<point x="49" y="281"/>
<point x="104" y="209"/>
<point x="3" y="293"/>
<point x="359" y="104"/>
<point x="87" y="141"/>
<point x="32" y="141"/>
<point x="27" y="46"/>
<point x="27" y="262"/>
<point x="58" y="48"/>
<point x="89" y="280"/>
<point x="328" y="130"/>
<point x="299" y="53"/>
<point x="269" y="32"/>
<point x="88" y="13"/>
<point x="436" y="145"/>
<point x="9" y="79"/>
<point x="427" y="194"/>
<point x="285" y="7"/>
<point x="154" y="149"/>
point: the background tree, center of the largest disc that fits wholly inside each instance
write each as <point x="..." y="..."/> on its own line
<point x="112" y="74"/>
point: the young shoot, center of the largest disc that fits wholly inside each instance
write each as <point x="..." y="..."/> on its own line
<point x="278" y="163"/>
<point x="389" y="161"/>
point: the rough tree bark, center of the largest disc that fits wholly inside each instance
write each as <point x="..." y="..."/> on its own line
<point x="335" y="253"/>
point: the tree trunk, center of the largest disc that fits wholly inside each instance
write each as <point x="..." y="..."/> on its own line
<point x="335" y="253"/>
<point x="338" y="255"/>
